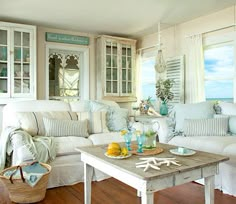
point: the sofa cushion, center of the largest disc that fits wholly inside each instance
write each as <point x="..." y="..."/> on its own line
<point x="32" y="122"/>
<point x="192" y="111"/>
<point x="232" y="121"/>
<point x="206" y="127"/>
<point x="97" y="121"/>
<point x="106" y="138"/>
<point x="232" y="124"/>
<point x="227" y="108"/>
<point x="213" y="144"/>
<point x="67" y="145"/>
<point x="80" y="106"/>
<point x="99" y="105"/>
<point x="60" y="128"/>
<point x="117" y="118"/>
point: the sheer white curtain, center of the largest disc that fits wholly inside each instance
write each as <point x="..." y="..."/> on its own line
<point x="195" y="90"/>
<point x="138" y="75"/>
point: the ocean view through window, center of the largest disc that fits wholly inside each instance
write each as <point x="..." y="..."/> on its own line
<point x="148" y="79"/>
<point x="219" y="72"/>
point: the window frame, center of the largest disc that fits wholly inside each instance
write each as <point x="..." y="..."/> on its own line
<point x="220" y="41"/>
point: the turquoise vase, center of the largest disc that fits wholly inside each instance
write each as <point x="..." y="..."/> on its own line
<point x="163" y="108"/>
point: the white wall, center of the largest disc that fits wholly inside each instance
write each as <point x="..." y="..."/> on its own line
<point x="174" y="38"/>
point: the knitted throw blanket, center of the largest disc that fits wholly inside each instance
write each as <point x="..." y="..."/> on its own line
<point x="43" y="149"/>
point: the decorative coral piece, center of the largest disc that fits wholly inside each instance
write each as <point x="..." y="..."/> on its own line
<point x="155" y="163"/>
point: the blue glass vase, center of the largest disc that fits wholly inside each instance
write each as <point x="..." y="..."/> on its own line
<point x="163" y="108"/>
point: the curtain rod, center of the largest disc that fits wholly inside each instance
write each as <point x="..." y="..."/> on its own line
<point x="209" y="31"/>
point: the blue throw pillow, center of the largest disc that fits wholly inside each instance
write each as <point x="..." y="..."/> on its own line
<point x="117" y="118"/>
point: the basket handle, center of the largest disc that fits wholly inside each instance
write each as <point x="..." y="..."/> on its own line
<point x="21" y="174"/>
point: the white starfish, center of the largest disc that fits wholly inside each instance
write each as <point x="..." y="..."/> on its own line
<point x="154" y="163"/>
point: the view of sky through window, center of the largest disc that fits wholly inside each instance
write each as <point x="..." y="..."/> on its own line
<point x="148" y="79"/>
<point x="219" y="73"/>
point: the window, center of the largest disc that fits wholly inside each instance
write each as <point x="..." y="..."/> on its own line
<point x="148" y="79"/>
<point x="219" y="72"/>
<point x="67" y="73"/>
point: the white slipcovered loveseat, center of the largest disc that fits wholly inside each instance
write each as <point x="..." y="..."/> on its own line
<point x="67" y="168"/>
<point x="205" y="127"/>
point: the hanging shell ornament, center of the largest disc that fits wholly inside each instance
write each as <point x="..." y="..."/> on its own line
<point x="160" y="65"/>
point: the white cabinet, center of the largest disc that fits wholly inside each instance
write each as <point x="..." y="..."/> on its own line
<point x="116" y="68"/>
<point x="17" y="62"/>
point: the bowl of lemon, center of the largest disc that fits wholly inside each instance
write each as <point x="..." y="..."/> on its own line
<point x="115" y="151"/>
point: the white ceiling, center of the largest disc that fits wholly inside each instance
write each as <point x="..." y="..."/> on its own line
<point x="114" y="17"/>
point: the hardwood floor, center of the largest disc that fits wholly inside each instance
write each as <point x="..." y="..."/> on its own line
<point x="111" y="191"/>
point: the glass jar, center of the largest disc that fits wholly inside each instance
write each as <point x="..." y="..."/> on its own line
<point x="150" y="134"/>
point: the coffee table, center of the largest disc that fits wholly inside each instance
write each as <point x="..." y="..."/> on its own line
<point x="200" y="165"/>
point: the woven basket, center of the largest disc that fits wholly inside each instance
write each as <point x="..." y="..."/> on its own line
<point x="21" y="192"/>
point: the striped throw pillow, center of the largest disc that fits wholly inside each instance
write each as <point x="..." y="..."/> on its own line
<point x="60" y="128"/>
<point x="206" y="127"/>
<point x="97" y="121"/>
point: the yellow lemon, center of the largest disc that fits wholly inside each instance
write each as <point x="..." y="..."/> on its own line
<point x="123" y="132"/>
<point x="113" y="149"/>
<point x="124" y="151"/>
<point x="113" y="152"/>
<point x="114" y="145"/>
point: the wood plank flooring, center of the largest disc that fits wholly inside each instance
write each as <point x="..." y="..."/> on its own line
<point x="111" y="191"/>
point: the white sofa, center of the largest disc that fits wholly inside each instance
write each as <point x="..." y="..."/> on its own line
<point x="67" y="168"/>
<point x="219" y="144"/>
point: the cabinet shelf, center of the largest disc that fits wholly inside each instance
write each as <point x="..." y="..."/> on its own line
<point x="23" y="62"/>
<point x="24" y="78"/>
<point x="116" y="68"/>
<point x="17" y="67"/>
<point x="18" y="46"/>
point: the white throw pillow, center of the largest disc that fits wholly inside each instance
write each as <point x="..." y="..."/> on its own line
<point x="201" y="110"/>
<point x="96" y="120"/>
<point x="206" y="127"/>
<point x="60" y="128"/>
<point x="32" y="122"/>
<point x="227" y="108"/>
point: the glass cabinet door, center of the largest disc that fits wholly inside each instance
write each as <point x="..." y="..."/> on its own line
<point x="21" y="68"/>
<point x="4" y="63"/>
<point x="126" y="66"/>
<point x="112" y="72"/>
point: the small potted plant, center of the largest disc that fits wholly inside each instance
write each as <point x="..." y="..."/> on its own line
<point x="164" y="93"/>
